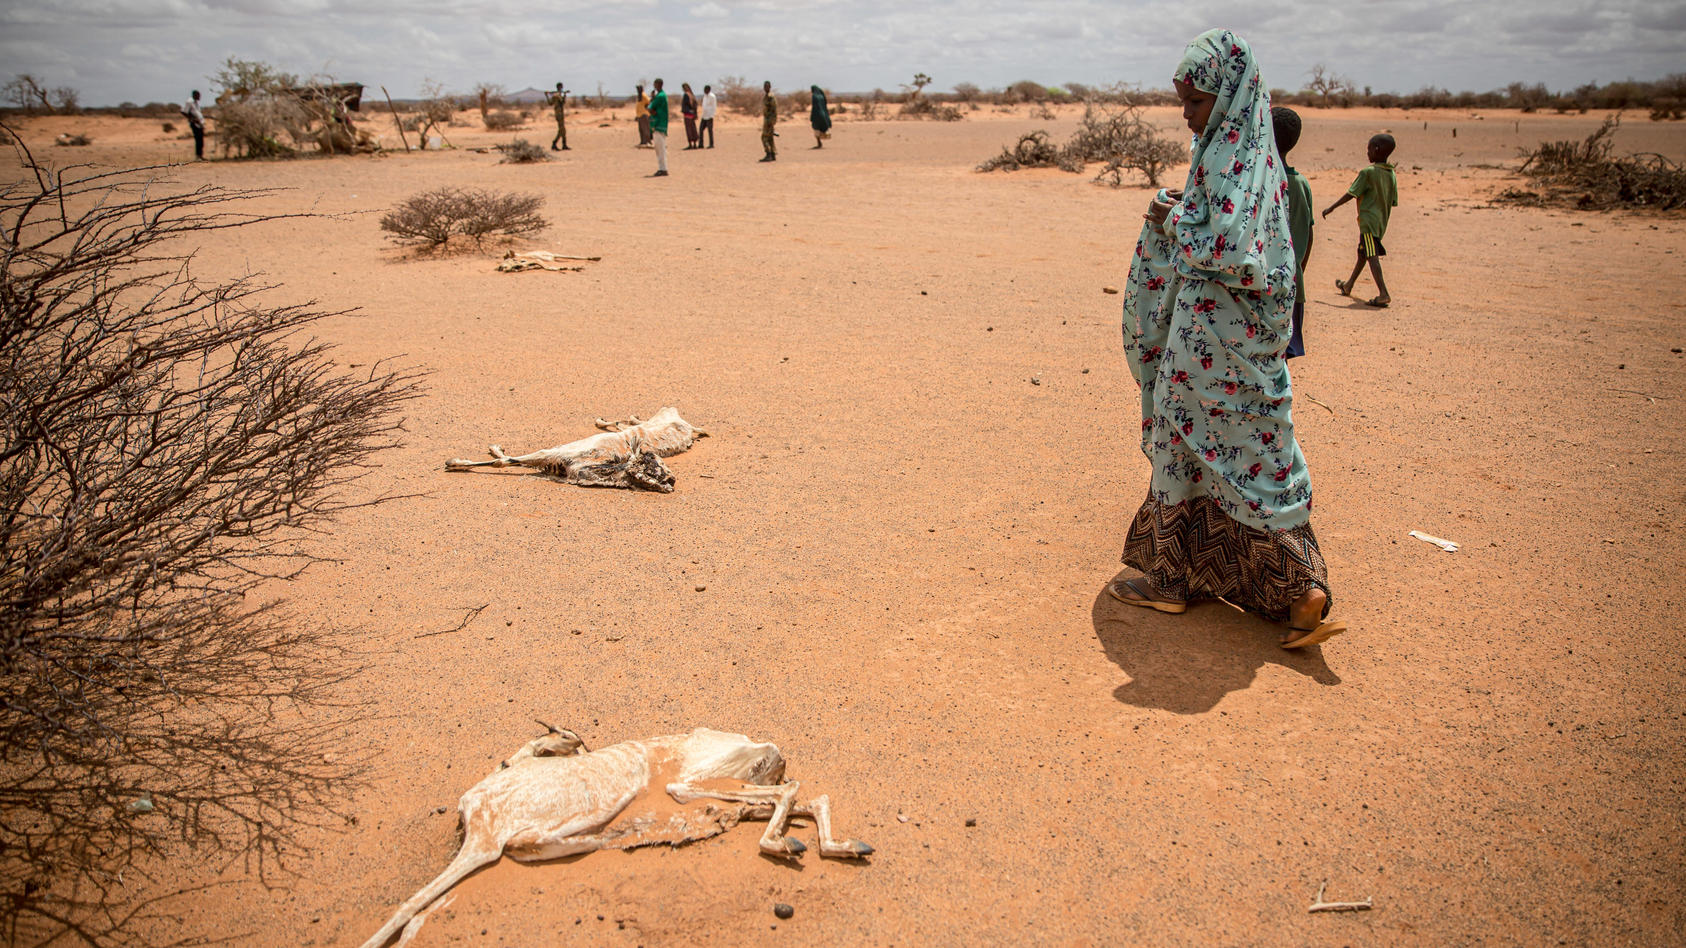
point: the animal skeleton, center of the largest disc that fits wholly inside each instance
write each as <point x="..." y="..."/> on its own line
<point x="627" y="454"/>
<point x="553" y="798"/>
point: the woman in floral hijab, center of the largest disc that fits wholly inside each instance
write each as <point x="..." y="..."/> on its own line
<point x="1206" y="320"/>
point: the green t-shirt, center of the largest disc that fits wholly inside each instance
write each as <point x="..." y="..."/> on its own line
<point x="1377" y="191"/>
<point x="658" y="112"/>
<point x="1300" y="218"/>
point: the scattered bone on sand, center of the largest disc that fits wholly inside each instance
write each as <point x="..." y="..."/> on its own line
<point x="553" y="798"/>
<point x="627" y="454"/>
<point x="513" y="262"/>
<point x="1446" y="545"/>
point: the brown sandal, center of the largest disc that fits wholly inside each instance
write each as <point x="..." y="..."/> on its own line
<point x="1322" y="633"/>
<point x="1130" y="593"/>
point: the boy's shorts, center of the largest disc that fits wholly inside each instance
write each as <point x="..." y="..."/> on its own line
<point x="1369" y="245"/>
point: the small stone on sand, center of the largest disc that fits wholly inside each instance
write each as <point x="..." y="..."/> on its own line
<point x="782" y="910"/>
<point x="1110" y="289"/>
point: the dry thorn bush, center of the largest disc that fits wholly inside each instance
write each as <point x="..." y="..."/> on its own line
<point x="168" y="447"/>
<point x="1119" y="137"/>
<point x="503" y="120"/>
<point x="522" y="152"/>
<point x="432" y="218"/>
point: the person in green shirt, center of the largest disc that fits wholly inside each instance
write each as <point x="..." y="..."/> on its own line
<point x="1285" y="127"/>
<point x="658" y="128"/>
<point x="1377" y="191"/>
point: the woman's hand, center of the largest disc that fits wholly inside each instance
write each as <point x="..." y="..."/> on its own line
<point x="1156" y="211"/>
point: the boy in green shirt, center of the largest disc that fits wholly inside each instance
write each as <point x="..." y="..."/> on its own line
<point x="1377" y="191"/>
<point x="1285" y="125"/>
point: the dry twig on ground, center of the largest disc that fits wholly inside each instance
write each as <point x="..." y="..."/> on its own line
<point x="1321" y="906"/>
<point x="168" y="446"/>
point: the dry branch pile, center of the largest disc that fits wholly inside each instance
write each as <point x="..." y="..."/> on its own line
<point x="1586" y="175"/>
<point x="166" y="446"/>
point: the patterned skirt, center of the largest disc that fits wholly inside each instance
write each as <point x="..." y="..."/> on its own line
<point x="1192" y="550"/>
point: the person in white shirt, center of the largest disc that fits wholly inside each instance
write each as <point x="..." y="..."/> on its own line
<point x="196" y="121"/>
<point x="709" y="107"/>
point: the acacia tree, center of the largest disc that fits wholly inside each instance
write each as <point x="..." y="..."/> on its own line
<point x="165" y="447"/>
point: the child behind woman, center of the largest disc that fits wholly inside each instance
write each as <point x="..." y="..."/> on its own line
<point x="1285" y="125"/>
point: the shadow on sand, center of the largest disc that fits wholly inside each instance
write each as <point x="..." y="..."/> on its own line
<point x="1186" y="663"/>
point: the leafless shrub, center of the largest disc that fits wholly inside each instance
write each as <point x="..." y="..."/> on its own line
<point x="737" y="94"/>
<point x="169" y="127"/>
<point x="1042" y="113"/>
<point x="167" y="446"/>
<point x="433" y="217"/>
<point x="503" y="120"/>
<point x="253" y="128"/>
<point x="1123" y="140"/>
<point x="920" y="107"/>
<point x="1032" y="150"/>
<point x="1119" y="137"/>
<point x="1587" y="175"/>
<point x="522" y="152"/>
<point x="30" y="96"/>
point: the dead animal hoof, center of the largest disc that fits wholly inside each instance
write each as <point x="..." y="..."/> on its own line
<point x="857" y="848"/>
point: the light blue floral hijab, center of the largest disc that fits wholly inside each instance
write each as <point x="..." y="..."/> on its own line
<point x="1207" y="311"/>
<point x="1231" y="223"/>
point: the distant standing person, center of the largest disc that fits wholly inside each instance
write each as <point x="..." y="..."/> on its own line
<point x="658" y="128"/>
<point x="1377" y="191"/>
<point x="558" y="102"/>
<point x="819" y="116"/>
<point x="710" y="105"/>
<point x="769" y="118"/>
<point x="1285" y="128"/>
<point x="643" y="118"/>
<point x="196" y="121"/>
<point x="688" y="108"/>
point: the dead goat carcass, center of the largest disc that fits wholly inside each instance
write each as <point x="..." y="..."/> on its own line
<point x="627" y="454"/>
<point x="553" y="799"/>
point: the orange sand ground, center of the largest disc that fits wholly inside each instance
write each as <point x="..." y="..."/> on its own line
<point x="904" y="542"/>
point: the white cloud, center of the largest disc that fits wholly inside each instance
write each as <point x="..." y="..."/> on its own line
<point x="710" y="11"/>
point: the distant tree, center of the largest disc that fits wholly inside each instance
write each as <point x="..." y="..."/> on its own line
<point x="245" y="78"/>
<point x="966" y="91"/>
<point x="1327" y="86"/>
<point x="920" y="81"/>
<point x="30" y="95"/>
<point x="489" y="95"/>
<point x="1027" y="90"/>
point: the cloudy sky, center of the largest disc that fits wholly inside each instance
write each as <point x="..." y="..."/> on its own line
<point x="155" y="50"/>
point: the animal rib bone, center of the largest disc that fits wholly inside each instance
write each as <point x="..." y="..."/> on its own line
<point x="553" y="798"/>
<point x="626" y="454"/>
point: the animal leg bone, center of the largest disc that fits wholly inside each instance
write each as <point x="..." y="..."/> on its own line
<point x="819" y="810"/>
<point x="773" y="842"/>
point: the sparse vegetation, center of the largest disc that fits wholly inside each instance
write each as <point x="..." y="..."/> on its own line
<point x="32" y="98"/>
<point x="1585" y="174"/>
<point x="432" y="218"/>
<point x="735" y="93"/>
<point x="1119" y="137"/>
<point x="503" y="120"/>
<point x="522" y="152"/>
<point x="166" y="447"/>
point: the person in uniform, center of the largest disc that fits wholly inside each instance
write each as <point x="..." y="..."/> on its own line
<point x="557" y="102"/>
<point x="769" y="118"/>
